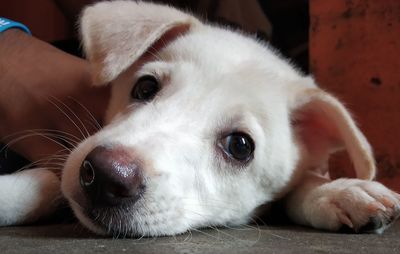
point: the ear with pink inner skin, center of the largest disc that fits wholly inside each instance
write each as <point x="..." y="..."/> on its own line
<point x="116" y="34"/>
<point x="323" y="125"/>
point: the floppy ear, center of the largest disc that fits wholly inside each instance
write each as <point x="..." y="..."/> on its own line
<point x="323" y="125"/>
<point x="116" y="34"/>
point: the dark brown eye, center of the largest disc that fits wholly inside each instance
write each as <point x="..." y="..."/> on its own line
<point x="145" y="88"/>
<point x="238" y="145"/>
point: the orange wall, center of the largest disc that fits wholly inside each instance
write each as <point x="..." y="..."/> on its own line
<point x="355" y="53"/>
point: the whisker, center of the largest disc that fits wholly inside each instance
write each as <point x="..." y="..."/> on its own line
<point x="94" y="121"/>
<point x="64" y="134"/>
<point x="55" y="138"/>
<point x="189" y="236"/>
<point x="38" y="162"/>
<point x="75" y="115"/>
<point x="223" y="232"/>
<point x="204" y="233"/>
<point x="10" y="143"/>
<point x="69" y="117"/>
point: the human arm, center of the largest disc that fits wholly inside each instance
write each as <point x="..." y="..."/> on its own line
<point x="34" y="77"/>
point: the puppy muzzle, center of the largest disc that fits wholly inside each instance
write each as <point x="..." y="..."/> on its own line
<point x="111" y="177"/>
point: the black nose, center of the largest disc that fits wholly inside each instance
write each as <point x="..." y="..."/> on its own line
<point x="110" y="177"/>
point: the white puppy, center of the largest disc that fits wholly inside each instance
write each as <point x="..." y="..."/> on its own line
<point x="205" y="125"/>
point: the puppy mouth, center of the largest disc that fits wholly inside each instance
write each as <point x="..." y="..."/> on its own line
<point x="147" y="217"/>
<point x="127" y="221"/>
<point x="111" y="217"/>
<point x="112" y="221"/>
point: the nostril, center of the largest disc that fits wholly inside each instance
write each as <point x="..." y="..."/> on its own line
<point x="111" y="176"/>
<point x="87" y="174"/>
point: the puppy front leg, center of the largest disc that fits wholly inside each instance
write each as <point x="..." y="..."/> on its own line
<point x="28" y="195"/>
<point x="364" y="206"/>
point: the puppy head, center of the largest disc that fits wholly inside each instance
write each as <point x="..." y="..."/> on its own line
<point x="204" y="125"/>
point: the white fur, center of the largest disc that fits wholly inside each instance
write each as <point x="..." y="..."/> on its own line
<point x="215" y="81"/>
<point x="28" y="195"/>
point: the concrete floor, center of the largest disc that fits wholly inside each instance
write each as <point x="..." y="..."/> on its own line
<point x="71" y="238"/>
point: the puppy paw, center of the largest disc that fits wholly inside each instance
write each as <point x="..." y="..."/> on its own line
<point x="28" y="195"/>
<point x="362" y="206"/>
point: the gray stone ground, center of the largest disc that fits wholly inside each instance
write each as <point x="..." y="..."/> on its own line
<point x="71" y="238"/>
